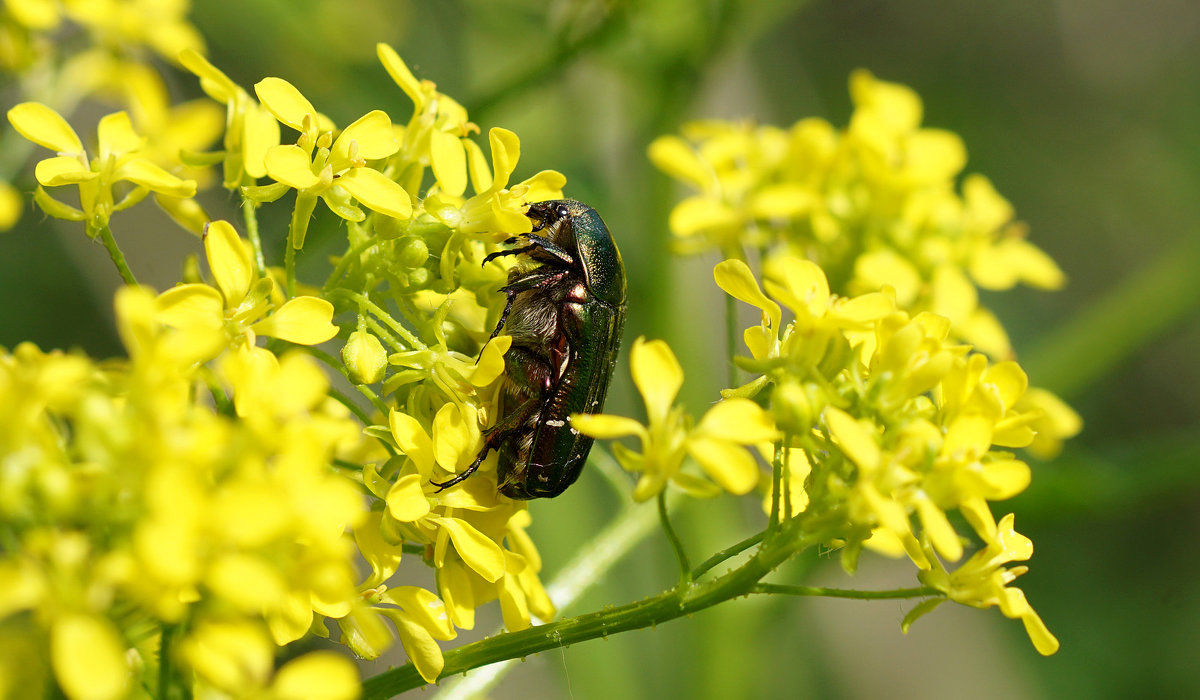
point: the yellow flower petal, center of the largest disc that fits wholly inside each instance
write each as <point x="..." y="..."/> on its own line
<point x="284" y="101"/>
<point x="213" y="82"/>
<point x="260" y="133"/>
<point x="506" y="151"/>
<point x="941" y="532"/>
<point x="424" y="608"/>
<point x="799" y="284"/>
<point x="190" y="305"/>
<point x="606" y="427"/>
<point x="477" y="167"/>
<point x="233" y="656"/>
<point x="853" y="439"/>
<point x="784" y="201"/>
<point x="412" y="440"/>
<point x="455" y="432"/>
<point x="246" y="582"/>
<point x="88" y="657"/>
<point x="884" y="266"/>
<point x="546" y="184"/>
<point x="698" y="214"/>
<point x="478" y="551"/>
<point x="953" y="294"/>
<point x="727" y="464"/>
<point x="142" y="172"/>
<point x="491" y="361"/>
<point x="735" y="277"/>
<point x="400" y="73"/>
<point x="11" y="205"/>
<point x="893" y="104"/>
<point x="230" y="262"/>
<point x="454" y="585"/>
<point x="41" y="15"/>
<point x="319" y="675"/>
<point x="62" y="170"/>
<point x="934" y="155"/>
<point x="116" y="136"/>
<point x="372" y="136"/>
<point x="290" y="165"/>
<point x="449" y="160"/>
<point x="673" y="156"/>
<point x="420" y="646"/>
<point x="377" y="192"/>
<point x="657" y="375"/>
<point x="303" y="320"/>
<point x="44" y="126"/>
<point x="739" y="421"/>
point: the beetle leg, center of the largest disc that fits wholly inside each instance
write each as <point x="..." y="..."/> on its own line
<point x="552" y="248"/>
<point x="491" y="440"/>
<point x="510" y="251"/>
<point x="536" y="243"/>
<point x="514" y="421"/>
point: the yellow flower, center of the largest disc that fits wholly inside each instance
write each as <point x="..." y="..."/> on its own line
<point x="335" y="170"/>
<point x="496" y="208"/>
<point x="159" y="24"/>
<point x="717" y="443"/>
<point x="874" y="204"/>
<point x="250" y="129"/>
<point x="118" y="160"/>
<point x="240" y="300"/>
<point x="983" y="580"/>
<point x="438" y="134"/>
<point x="10" y="206"/>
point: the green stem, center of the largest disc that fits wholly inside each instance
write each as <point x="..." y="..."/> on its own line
<point x="727" y="553"/>
<point x="344" y="263"/>
<point x="731" y="328"/>
<point x="250" y="216"/>
<point x="289" y="268"/>
<point x="364" y="302"/>
<point x="780" y="589"/>
<point x="685" y="568"/>
<point x="383" y="334"/>
<point x="164" y="660"/>
<point x="114" y="252"/>
<point x="672" y="604"/>
<point x="776" y="480"/>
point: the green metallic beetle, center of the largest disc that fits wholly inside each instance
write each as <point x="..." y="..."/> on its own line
<point x="565" y="312"/>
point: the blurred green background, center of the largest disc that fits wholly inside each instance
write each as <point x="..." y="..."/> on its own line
<point x="1082" y="112"/>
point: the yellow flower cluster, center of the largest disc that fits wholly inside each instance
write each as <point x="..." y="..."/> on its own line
<point x="873" y="204"/>
<point x="879" y="419"/>
<point x="413" y="303"/>
<point x="897" y="425"/>
<point x="109" y="56"/>
<point x="156" y="494"/>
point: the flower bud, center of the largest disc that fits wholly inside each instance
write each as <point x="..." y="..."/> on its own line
<point x="412" y="252"/>
<point x="364" y="356"/>
<point x="792" y="408"/>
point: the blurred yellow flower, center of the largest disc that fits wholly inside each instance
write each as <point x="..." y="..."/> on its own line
<point x="119" y="159"/>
